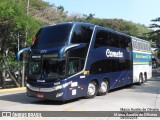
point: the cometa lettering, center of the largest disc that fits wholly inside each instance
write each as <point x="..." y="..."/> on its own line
<point x="110" y="53"/>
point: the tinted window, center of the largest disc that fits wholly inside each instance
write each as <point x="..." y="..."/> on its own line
<point x="110" y="65"/>
<point x="52" y="36"/>
<point x="79" y="52"/>
<point x="121" y="42"/>
<point x="101" y="39"/>
<point x="75" y="65"/>
<point x="113" y="39"/>
<point x="127" y="42"/>
<point x="82" y="34"/>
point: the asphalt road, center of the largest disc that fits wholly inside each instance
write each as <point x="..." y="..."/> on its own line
<point x="145" y="96"/>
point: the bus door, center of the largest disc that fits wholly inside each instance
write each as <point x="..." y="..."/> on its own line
<point x="75" y="65"/>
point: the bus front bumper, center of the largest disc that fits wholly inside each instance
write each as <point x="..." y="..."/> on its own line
<point x="45" y="93"/>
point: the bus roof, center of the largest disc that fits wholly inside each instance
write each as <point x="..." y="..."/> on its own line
<point x="108" y="29"/>
<point x="113" y="31"/>
<point x="138" y="39"/>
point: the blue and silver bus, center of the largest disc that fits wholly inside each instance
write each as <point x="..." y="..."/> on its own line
<point x="76" y="59"/>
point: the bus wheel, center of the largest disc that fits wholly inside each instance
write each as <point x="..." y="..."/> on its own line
<point x="104" y="88"/>
<point x="145" y="77"/>
<point x="140" y="79"/>
<point x="92" y="90"/>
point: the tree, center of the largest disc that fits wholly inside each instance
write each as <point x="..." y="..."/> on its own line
<point x="88" y="17"/>
<point x="74" y="17"/>
<point x="155" y="35"/>
<point x="60" y="8"/>
<point x="120" y="25"/>
<point x="13" y="21"/>
<point x="18" y="27"/>
<point x="47" y="13"/>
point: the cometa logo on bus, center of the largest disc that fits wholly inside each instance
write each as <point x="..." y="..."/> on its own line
<point x="110" y="53"/>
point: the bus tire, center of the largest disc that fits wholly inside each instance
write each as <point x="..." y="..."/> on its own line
<point x="140" y="79"/>
<point x="92" y="90"/>
<point x="145" y="77"/>
<point x="104" y="88"/>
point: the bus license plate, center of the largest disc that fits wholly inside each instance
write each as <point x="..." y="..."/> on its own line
<point x="40" y="95"/>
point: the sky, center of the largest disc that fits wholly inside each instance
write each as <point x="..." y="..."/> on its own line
<point x="137" y="11"/>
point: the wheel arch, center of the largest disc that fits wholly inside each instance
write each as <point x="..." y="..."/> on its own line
<point x="141" y="73"/>
<point x="145" y="73"/>
<point x="97" y="82"/>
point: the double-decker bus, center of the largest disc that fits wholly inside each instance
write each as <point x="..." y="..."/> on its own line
<point x="76" y="59"/>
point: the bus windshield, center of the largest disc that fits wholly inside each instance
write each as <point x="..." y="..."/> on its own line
<point x="52" y="36"/>
<point x="50" y="68"/>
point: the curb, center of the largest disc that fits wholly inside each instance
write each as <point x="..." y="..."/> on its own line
<point x="12" y="89"/>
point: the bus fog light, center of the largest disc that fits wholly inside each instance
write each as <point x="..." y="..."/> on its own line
<point x="59" y="94"/>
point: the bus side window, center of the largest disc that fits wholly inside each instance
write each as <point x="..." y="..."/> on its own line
<point x="127" y="41"/>
<point x="73" y="66"/>
<point x="82" y="34"/>
<point x="101" y="39"/>
<point x="113" y="38"/>
<point x="121" y="42"/>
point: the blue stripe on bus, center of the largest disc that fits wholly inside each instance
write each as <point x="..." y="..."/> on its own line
<point x="141" y="57"/>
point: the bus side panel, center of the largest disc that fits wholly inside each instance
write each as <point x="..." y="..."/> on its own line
<point x="141" y="65"/>
<point x="137" y="69"/>
<point x="118" y="79"/>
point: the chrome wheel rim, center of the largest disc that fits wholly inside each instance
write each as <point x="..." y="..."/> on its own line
<point x="91" y="89"/>
<point x="104" y="87"/>
<point x="140" y="79"/>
